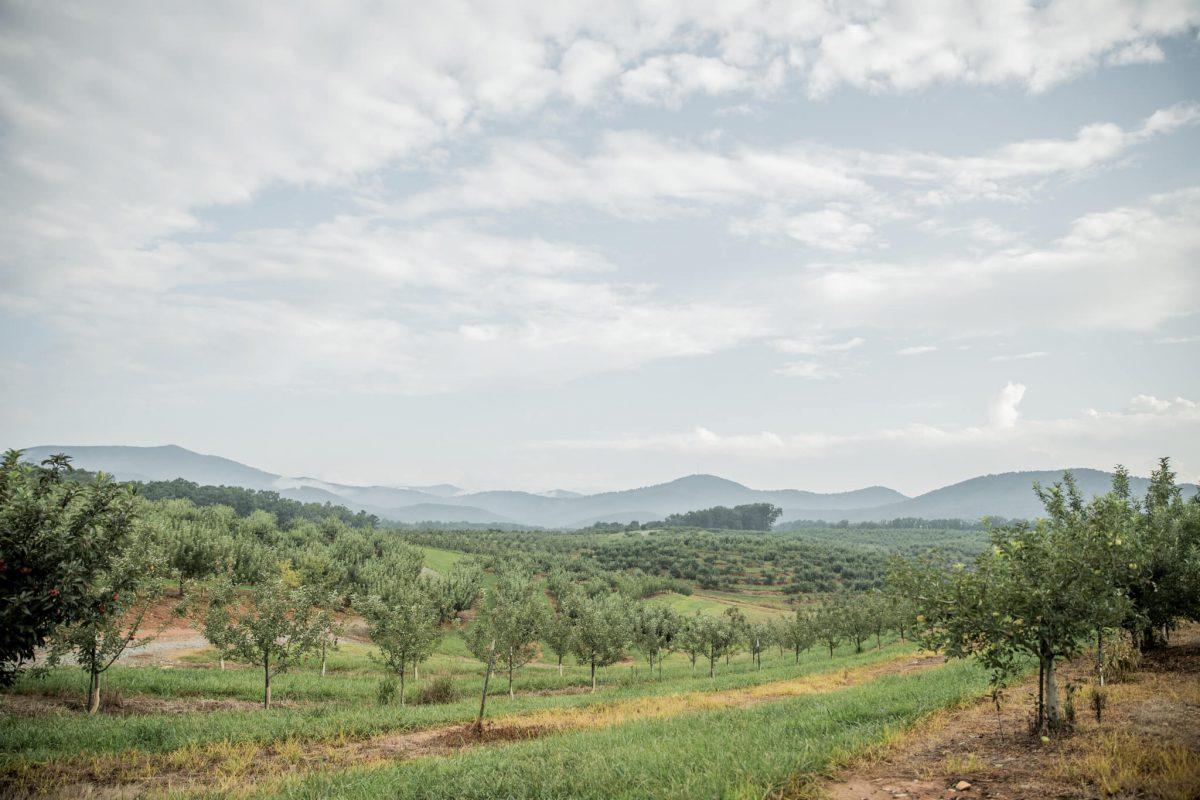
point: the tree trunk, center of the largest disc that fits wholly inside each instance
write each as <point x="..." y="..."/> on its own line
<point x="712" y="665"/>
<point x="266" y="683"/>
<point x="222" y="659"/>
<point x="416" y="672"/>
<point x="1041" y="701"/>
<point x="593" y="674"/>
<point x="831" y="650"/>
<point x="1051" y="695"/>
<point x="560" y="666"/>
<point x="486" y="677"/>
<point x="510" y="672"/>
<point x="402" y="703"/>
<point x="324" y="645"/>
<point x="1100" y="653"/>
<point x="93" y="704"/>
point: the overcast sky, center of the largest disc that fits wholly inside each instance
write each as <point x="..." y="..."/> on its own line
<point x="598" y="245"/>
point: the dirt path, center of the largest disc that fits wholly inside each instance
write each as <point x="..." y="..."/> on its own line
<point x="234" y="768"/>
<point x="1146" y="746"/>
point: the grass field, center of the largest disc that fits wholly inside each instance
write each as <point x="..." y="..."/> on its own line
<point x="313" y="707"/>
<point x="440" y="561"/>
<point x="716" y="603"/>
<point x="748" y="753"/>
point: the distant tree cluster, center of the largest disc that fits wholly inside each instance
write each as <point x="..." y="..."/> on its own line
<point x="245" y="501"/>
<point x="749" y="517"/>
<point x="905" y="523"/>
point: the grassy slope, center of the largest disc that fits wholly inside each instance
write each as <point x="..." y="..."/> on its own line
<point x="716" y="605"/>
<point x="440" y="561"/>
<point x="730" y="753"/>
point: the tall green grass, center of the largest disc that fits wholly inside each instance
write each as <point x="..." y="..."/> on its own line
<point x="740" y="753"/>
<point x="342" y="705"/>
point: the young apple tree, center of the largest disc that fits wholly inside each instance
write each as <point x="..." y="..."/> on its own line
<point x="57" y="538"/>
<point x="509" y="623"/>
<point x="272" y="627"/>
<point x="403" y="624"/>
<point x="119" y="597"/>
<point x="602" y="629"/>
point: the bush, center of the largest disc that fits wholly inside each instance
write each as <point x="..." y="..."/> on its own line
<point x="1121" y="659"/>
<point x="437" y="691"/>
<point x="387" y="691"/>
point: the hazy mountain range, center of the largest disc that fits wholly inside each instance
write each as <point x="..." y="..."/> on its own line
<point x="1007" y="495"/>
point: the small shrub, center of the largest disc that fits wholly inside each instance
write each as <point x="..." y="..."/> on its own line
<point x="1099" y="699"/>
<point x="1121" y="659"/>
<point x="436" y="691"/>
<point x="387" y="691"/>
<point x="1068" y="720"/>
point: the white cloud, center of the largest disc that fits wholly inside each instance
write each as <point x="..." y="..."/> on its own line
<point x="642" y="174"/>
<point x="367" y="306"/>
<point x="586" y="67"/>
<point x="831" y="228"/>
<point x="1149" y="404"/>
<point x="1019" y="356"/>
<point x="1177" y="339"/>
<point x="668" y="80"/>
<point x="809" y="370"/>
<point x="916" y="350"/>
<point x="1141" y="52"/>
<point x="633" y="173"/>
<point x="1138" y="263"/>
<point x="1134" y="437"/>
<point x="816" y="345"/>
<point x="1003" y="411"/>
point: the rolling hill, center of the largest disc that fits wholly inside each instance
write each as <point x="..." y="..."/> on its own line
<point x="1005" y="495"/>
<point x="1008" y="494"/>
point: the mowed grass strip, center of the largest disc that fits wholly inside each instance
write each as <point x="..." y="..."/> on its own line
<point x="768" y="749"/>
<point x="63" y="734"/>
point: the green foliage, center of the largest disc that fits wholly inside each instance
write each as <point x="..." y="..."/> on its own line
<point x="799" y="633"/>
<point x="508" y="624"/>
<point x="246" y="501"/>
<point x="601" y="629"/>
<point x="653" y="627"/>
<point x="670" y="559"/>
<point x="387" y="691"/>
<point x="57" y="538"/>
<point x="749" y="517"/>
<point x="271" y="626"/>
<point x="403" y="625"/>
<point x="118" y="598"/>
<point x="439" y="690"/>
<point x="456" y="591"/>
<point x="1042" y="590"/>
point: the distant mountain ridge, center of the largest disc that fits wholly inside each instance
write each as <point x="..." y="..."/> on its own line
<point x="1006" y="495"/>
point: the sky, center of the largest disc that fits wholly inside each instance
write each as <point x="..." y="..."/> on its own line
<point x="599" y="245"/>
